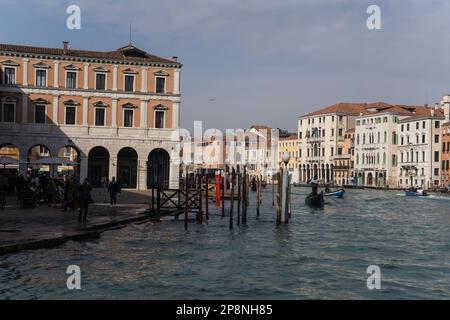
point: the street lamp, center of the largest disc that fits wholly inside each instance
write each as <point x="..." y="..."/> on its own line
<point x="286" y="157"/>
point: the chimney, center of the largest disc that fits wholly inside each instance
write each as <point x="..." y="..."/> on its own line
<point x="432" y="112"/>
<point x="66" y="47"/>
<point x="175" y="58"/>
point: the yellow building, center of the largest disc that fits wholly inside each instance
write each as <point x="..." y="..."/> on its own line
<point x="289" y="143"/>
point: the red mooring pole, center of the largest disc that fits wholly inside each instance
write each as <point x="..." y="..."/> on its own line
<point x="200" y="212"/>
<point x="186" y="204"/>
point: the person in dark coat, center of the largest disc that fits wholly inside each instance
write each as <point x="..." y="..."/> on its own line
<point x="84" y="199"/>
<point x="113" y="190"/>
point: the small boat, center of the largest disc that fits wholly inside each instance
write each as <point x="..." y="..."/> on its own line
<point x="315" y="200"/>
<point x="300" y="184"/>
<point x="338" y="193"/>
<point x="417" y="193"/>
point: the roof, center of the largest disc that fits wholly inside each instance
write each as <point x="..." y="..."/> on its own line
<point x="425" y="114"/>
<point x="289" y="136"/>
<point x="126" y="53"/>
<point x="352" y="130"/>
<point x="343" y="107"/>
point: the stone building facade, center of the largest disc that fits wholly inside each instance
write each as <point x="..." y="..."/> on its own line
<point x="119" y="110"/>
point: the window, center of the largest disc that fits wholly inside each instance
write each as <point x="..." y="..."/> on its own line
<point x="41" y="78"/>
<point x="417" y="126"/>
<point x="159" y="119"/>
<point x="8" y="112"/>
<point x="436" y="172"/>
<point x="100" y="81"/>
<point x="100" y="116"/>
<point x="340" y="132"/>
<point x="70" y="115"/>
<point x="436" y="156"/>
<point x="437" y="124"/>
<point x="423" y="138"/>
<point x="436" y="138"/>
<point x="10" y="76"/>
<point x="39" y="114"/>
<point x="71" y="80"/>
<point x="129" y="83"/>
<point x="423" y="125"/>
<point x="128" y="118"/>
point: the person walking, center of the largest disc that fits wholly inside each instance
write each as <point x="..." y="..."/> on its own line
<point x="51" y="191"/>
<point x="84" y="199"/>
<point x="68" y="195"/>
<point x="113" y="190"/>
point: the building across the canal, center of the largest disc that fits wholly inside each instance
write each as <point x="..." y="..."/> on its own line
<point x="288" y="142"/>
<point x="322" y="138"/>
<point x="445" y="167"/>
<point x="117" y="110"/>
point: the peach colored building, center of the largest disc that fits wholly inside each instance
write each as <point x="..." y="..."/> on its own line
<point x="118" y="109"/>
<point x="344" y="160"/>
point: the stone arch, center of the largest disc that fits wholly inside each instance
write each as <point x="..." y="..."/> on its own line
<point x="158" y="168"/>
<point x="98" y="166"/>
<point x="127" y="165"/>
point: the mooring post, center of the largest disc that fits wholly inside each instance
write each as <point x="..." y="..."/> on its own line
<point x="273" y="190"/>
<point x="223" y="193"/>
<point x="290" y="197"/>
<point x="285" y="195"/>
<point x="244" y="197"/>
<point x="257" y="196"/>
<point x="233" y="177"/>
<point x="206" y="196"/>
<point x="200" y="211"/>
<point x="279" y="196"/>
<point x="186" y="204"/>
<point x="239" y="181"/>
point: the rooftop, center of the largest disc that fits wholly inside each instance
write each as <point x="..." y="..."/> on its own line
<point x="128" y="53"/>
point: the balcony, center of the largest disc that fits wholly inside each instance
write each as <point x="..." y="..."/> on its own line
<point x="315" y="139"/>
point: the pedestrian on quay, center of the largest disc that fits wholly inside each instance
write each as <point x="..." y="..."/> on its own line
<point x="68" y="195"/>
<point x="84" y="200"/>
<point x="50" y="191"/>
<point x="113" y="190"/>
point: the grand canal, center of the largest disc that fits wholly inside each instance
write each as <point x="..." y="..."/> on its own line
<point x="321" y="254"/>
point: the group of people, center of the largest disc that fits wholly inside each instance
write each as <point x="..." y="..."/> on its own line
<point x="39" y="188"/>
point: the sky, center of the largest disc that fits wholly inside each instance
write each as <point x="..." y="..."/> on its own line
<point x="261" y="62"/>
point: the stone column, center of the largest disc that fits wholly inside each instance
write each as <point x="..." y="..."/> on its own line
<point x="143" y="114"/>
<point x="144" y="80"/>
<point x="114" y="113"/>
<point x="142" y="174"/>
<point x="85" y="111"/>
<point x="86" y="76"/>
<point x="24" y="108"/>
<point x="83" y="167"/>
<point x="25" y="71"/>
<point x="55" y="110"/>
<point x="56" y="74"/>
<point x="176" y="81"/>
<point x="112" y="166"/>
<point x="174" y="175"/>
<point x="115" y="77"/>
<point x="175" y="115"/>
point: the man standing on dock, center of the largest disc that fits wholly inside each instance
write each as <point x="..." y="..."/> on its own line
<point x="113" y="189"/>
<point x="85" y="198"/>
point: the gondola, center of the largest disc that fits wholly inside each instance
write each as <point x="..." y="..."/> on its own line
<point x="315" y="200"/>
<point x="416" y="193"/>
<point x="337" y="193"/>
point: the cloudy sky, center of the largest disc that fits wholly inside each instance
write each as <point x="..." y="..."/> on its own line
<point x="258" y="61"/>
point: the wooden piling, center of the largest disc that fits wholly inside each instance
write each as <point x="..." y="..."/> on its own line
<point x="273" y="190"/>
<point x="200" y="212"/>
<point x="257" y="196"/>
<point x="206" y="196"/>
<point x="244" y="196"/>
<point x="239" y="188"/>
<point x="186" y="204"/>
<point x="233" y="177"/>
<point x="279" y="175"/>
<point x="223" y="194"/>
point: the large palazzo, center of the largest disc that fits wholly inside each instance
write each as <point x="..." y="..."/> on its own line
<point x="114" y="113"/>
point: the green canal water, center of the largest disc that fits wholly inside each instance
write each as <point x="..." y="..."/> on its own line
<point x="320" y="254"/>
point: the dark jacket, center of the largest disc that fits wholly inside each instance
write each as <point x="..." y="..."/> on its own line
<point x="85" y="191"/>
<point x="113" y="187"/>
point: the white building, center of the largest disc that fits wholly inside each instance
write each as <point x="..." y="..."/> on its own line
<point x="322" y="137"/>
